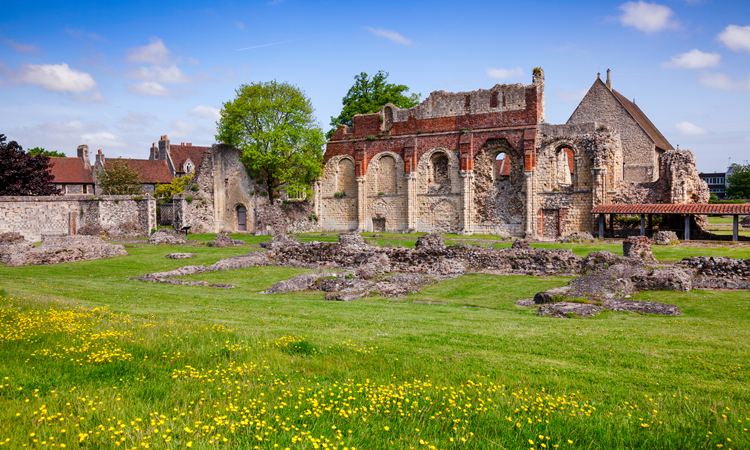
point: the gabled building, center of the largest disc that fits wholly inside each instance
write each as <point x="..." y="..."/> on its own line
<point x="181" y="159"/>
<point x="642" y="143"/>
<point x="73" y="175"/>
<point x="153" y="171"/>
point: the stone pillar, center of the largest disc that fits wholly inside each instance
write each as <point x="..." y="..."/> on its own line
<point x="361" y="204"/>
<point x="467" y="178"/>
<point x="530" y="216"/>
<point x="411" y="198"/>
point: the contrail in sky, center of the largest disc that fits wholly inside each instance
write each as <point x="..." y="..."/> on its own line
<point x="284" y="42"/>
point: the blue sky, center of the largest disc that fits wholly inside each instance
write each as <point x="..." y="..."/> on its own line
<point x="118" y="76"/>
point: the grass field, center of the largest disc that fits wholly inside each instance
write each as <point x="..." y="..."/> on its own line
<point x="91" y="359"/>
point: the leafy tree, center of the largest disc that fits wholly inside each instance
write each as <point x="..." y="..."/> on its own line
<point x="120" y="178"/>
<point x="738" y="183"/>
<point x="368" y="96"/>
<point x="274" y="127"/>
<point x="177" y="186"/>
<point x="24" y="174"/>
<point x="41" y="151"/>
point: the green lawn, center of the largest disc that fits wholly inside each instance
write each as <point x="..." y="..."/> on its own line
<point x="92" y="359"/>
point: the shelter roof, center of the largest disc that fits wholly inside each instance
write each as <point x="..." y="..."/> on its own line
<point x="671" y="208"/>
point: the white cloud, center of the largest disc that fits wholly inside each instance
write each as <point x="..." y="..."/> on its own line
<point x="568" y="95"/>
<point x="502" y="74"/>
<point x="103" y="139"/>
<point x="209" y="112"/>
<point x="80" y="34"/>
<point x="56" y="77"/>
<point x="647" y="17"/>
<point x="722" y="81"/>
<point x="390" y="34"/>
<point x="151" y="88"/>
<point x="136" y="118"/>
<point x="195" y="61"/>
<point x="736" y="37"/>
<point x="155" y="53"/>
<point x="22" y="48"/>
<point x="96" y="97"/>
<point x="171" y="74"/>
<point x="694" y="59"/>
<point x="690" y="129"/>
<point x="73" y="125"/>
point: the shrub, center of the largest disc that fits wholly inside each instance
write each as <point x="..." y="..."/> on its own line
<point x="194" y="188"/>
<point x="313" y="217"/>
<point x="138" y="198"/>
<point x="370" y="137"/>
<point x="189" y="198"/>
<point x="117" y="200"/>
<point x="339" y="194"/>
<point x="381" y="193"/>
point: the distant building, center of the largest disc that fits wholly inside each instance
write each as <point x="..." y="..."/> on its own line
<point x="73" y="175"/>
<point x="717" y="183"/>
<point x="181" y="159"/>
<point x="153" y="172"/>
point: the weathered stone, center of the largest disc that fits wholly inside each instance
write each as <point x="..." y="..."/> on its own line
<point x="579" y="237"/>
<point x="13" y="249"/>
<point x="638" y="247"/>
<point x="10" y="238"/>
<point x="664" y="237"/>
<point x="280" y="241"/>
<point x="521" y="244"/>
<point x="662" y="309"/>
<point x="62" y="249"/>
<point x="166" y="236"/>
<point x="553" y="295"/>
<point x="294" y="284"/>
<point x="430" y="241"/>
<point x="179" y="255"/>
<point x="352" y="239"/>
<point x="745" y="222"/>
<point x="222" y="240"/>
<point x="567" y="310"/>
<point x="670" y="279"/>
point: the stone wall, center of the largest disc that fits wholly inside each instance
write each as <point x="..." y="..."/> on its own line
<point x="639" y="151"/>
<point x="34" y="217"/>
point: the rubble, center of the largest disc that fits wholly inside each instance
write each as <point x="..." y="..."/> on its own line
<point x="62" y="249"/>
<point x="430" y="241"/>
<point x="223" y="240"/>
<point x="13" y="244"/>
<point x="179" y="255"/>
<point x="745" y="222"/>
<point x="166" y="236"/>
<point x="664" y="238"/>
<point x="638" y="247"/>
<point x="578" y="238"/>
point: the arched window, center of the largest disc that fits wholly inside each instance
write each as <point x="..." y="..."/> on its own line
<point x="501" y="170"/>
<point x="564" y="166"/>
<point x="388" y="118"/>
<point x="440" y="179"/>
<point x="346" y="182"/>
<point x="387" y="175"/>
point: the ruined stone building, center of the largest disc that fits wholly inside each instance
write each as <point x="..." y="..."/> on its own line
<point x="642" y="143"/>
<point x="486" y="162"/>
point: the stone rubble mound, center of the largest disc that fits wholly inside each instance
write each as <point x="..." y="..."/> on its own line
<point x="664" y="237"/>
<point x="63" y="249"/>
<point x="352" y="239"/>
<point x="179" y="255"/>
<point x="166" y="236"/>
<point x="224" y="240"/>
<point x="578" y="238"/>
<point x="12" y="244"/>
<point x="235" y="262"/>
<point x="280" y="241"/>
<point x="638" y="247"/>
<point x="718" y="272"/>
<point x="521" y="244"/>
<point x="430" y="242"/>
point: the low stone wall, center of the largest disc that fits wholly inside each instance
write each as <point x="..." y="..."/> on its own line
<point x="34" y="217"/>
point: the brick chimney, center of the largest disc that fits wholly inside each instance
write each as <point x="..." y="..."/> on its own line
<point x="83" y="153"/>
<point x="609" y="81"/>
<point x="154" y="155"/>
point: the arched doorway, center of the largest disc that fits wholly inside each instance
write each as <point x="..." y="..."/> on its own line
<point x="241" y="218"/>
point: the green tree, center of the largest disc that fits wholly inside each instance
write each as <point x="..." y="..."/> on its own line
<point x="177" y="186"/>
<point x="274" y="127"/>
<point x="738" y="183"/>
<point x="120" y="178"/>
<point x="41" y="151"/>
<point x="368" y="95"/>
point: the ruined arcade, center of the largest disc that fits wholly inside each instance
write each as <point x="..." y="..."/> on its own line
<point x="487" y="162"/>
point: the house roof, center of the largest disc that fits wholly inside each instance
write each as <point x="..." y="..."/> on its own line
<point x="183" y="152"/>
<point x="153" y="171"/>
<point x="670" y="208"/>
<point x="643" y="121"/>
<point x="69" y="171"/>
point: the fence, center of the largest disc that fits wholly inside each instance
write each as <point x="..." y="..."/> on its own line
<point x="165" y="214"/>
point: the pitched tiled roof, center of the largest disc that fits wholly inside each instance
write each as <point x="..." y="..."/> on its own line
<point x="152" y="171"/>
<point x="643" y="121"/>
<point x="69" y="171"/>
<point x="669" y="208"/>
<point x="181" y="153"/>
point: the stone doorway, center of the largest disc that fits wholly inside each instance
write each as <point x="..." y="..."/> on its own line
<point x="241" y="218"/>
<point x="378" y="224"/>
<point x="551" y="223"/>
